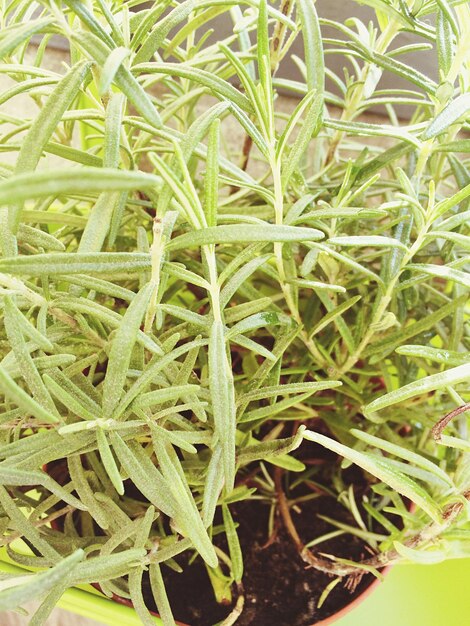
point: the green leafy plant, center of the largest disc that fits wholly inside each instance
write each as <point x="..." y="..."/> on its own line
<point x="179" y="311"/>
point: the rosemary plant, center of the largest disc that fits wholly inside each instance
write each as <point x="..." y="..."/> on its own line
<point x="179" y="309"/>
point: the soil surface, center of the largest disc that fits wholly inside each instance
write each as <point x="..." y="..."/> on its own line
<point x="279" y="589"/>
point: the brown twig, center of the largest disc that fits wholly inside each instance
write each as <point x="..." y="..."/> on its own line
<point x="38" y="523"/>
<point x="378" y="561"/>
<point x="319" y="563"/>
<point x="442" y="423"/>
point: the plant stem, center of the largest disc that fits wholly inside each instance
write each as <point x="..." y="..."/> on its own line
<point x="350" y="110"/>
<point x="382" y="304"/>
<point x="278" y="247"/>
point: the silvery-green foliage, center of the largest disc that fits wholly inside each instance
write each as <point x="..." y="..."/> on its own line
<point x="175" y="305"/>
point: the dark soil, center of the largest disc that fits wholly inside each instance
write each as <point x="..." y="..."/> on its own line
<point x="279" y="589"/>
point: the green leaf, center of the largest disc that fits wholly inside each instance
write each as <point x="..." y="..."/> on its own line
<point x="188" y="517"/>
<point x="455" y="442"/>
<point x="35" y="585"/>
<point x="417" y="555"/>
<point x="98" y="50"/>
<point x="159" y="593"/>
<point x="44" y="126"/>
<point x="449" y="203"/>
<point x="462" y="241"/>
<point x="240" y="311"/>
<point x="271" y="411"/>
<point x="271" y="451"/>
<point x="253" y="346"/>
<point x="419" y="387"/>
<point x="390" y="342"/>
<point x="291" y="124"/>
<point x="85" y="492"/>
<point x="14" y="476"/>
<point x="341" y="325"/>
<point x="143" y="21"/>
<point x="157" y="364"/>
<point x="333" y="314"/>
<point x="184" y="314"/>
<point x="211" y="179"/>
<point x="81" y="10"/>
<point x="114" y="61"/>
<point x="16" y="394"/>
<point x="262" y="47"/>
<point x="214" y="83"/>
<point x="307" y="131"/>
<point x="444" y="41"/>
<point x="42" y="363"/>
<point x="184" y="191"/>
<point x="190" y="143"/>
<point x="448" y="116"/>
<point x="137" y="598"/>
<point x="108" y="461"/>
<point x="100" y="218"/>
<point x="313" y="48"/>
<point x="402" y="453"/>
<point x="26" y="529"/>
<point x="79" y="397"/>
<point x="442" y="271"/>
<point x="54" y="182"/>
<point x="459" y="145"/>
<point x="213" y="486"/>
<point x="161" y="396"/>
<point x="287" y="389"/>
<point x="243" y="234"/>
<point x="253" y="322"/>
<point x="72" y="403"/>
<point x="145" y="476"/>
<point x="121" y="350"/>
<point x="117" y="36"/>
<point x="446" y="8"/>
<point x="315" y="285"/>
<point x="102" y="568"/>
<point x="236" y="556"/>
<point x="438" y="355"/>
<point x="223" y="401"/>
<point x="99" y="222"/>
<point x="381" y="470"/>
<point x="163" y="26"/>
<point x="389" y="156"/>
<point x="66" y="263"/>
<point x="250" y="128"/>
<point x="22" y="33"/>
<point x="407" y="72"/>
<point x="239" y="278"/>
<point x="367" y="240"/>
<point x="28" y="329"/>
<point x="71" y="154"/>
<point x="39" y="239"/>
